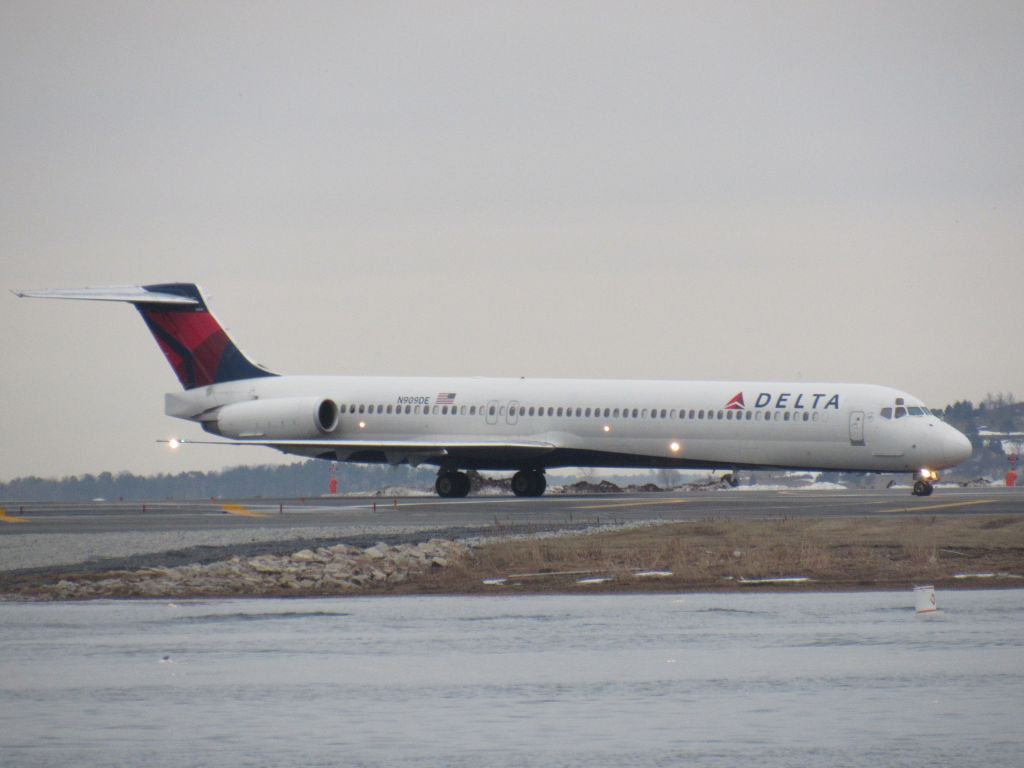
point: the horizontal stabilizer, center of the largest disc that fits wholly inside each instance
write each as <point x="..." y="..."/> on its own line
<point x="133" y="294"/>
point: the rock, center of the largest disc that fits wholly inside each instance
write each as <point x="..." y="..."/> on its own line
<point x="266" y="565"/>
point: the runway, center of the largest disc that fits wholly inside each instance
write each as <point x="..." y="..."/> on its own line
<point x="429" y="512"/>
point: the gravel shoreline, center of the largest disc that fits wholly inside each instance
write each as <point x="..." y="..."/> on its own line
<point x="959" y="551"/>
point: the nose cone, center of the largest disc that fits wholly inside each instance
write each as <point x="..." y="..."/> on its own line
<point x="957" y="447"/>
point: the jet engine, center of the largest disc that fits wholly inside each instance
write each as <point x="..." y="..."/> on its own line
<point x="281" y="418"/>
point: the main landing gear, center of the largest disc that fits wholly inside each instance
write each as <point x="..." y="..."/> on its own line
<point x="923" y="482"/>
<point x="529" y="482"/>
<point x="452" y="485"/>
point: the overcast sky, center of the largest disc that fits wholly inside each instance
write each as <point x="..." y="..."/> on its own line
<point x="816" y="191"/>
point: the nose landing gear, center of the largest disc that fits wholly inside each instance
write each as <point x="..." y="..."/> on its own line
<point x="923" y="482"/>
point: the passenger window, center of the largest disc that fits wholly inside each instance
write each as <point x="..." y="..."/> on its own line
<point x="672" y="413"/>
<point x="558" y="412"/>
<point x="492" y="410"/>
<point x="587" y="413"/>
<point x="444" y="410"/>
<point x="579" y="412"/>
<point x="786" y="417"/>
<point x="900" y="412"/>
<point x="511" y="410"/>
<point x="728" y="415"/>
<point x="531" y="410"/>
<point x="663" y="413"/>
<point x="807" y="416"/>
<point x="635" y="412"/>
<point x="885" y="413"/>
<point x="750" y="415"/>
<point x="472" y="410"/>
<point x="700" y="414"/>
<point x="721" y="415"/>
<point x="362" y="409"/>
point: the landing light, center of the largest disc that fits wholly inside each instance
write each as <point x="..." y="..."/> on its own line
<point x="362" y="425"/>
<point x="173" y="443"/>
<point x="673" y="446"/>
<point x="607" y="428"/>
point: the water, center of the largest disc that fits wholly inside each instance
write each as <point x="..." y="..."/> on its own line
<point x="652" y="680"/>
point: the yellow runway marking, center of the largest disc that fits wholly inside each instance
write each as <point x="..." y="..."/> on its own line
<point x="950" y="505"/>
<point x="238" y="509"/>
<point x="5" y="518"/>
<point x="620" y="504"/>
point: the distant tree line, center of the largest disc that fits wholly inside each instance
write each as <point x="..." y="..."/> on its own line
<point x="307" y="478"/>
<point x="1000" y="412"/>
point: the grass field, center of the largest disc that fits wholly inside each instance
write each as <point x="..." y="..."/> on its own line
<point x="831" y="553"/>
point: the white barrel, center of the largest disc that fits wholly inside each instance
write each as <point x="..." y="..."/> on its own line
<point x="924" y="599"/>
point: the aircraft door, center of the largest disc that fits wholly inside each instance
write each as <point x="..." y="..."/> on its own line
<point x="513" y="412"/>
<point x="492" y="412"/>
<point x="857" y="428"/>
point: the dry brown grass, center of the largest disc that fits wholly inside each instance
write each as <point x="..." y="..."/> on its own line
<point x="713" y="554"/>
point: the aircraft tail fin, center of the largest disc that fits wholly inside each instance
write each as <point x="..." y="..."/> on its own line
<point x="194" y="343"/>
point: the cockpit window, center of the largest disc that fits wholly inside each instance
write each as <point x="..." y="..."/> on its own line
<point x="915" y="411"/>
<point x="900" y="412"/>
<point x="885" y="413"/>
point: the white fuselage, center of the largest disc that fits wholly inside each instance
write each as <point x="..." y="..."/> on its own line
<point x="612" y="423"/>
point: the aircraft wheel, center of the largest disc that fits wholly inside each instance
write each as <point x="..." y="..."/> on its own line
<point x="540" y="484"/>
<point x="529" y="483"/>
<point x="521" y="483"/>
<point x="921" y="488"/>
<point x="452" y="485"/>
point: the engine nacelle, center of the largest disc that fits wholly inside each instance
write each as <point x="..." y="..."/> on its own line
<point x="284" y="418"/>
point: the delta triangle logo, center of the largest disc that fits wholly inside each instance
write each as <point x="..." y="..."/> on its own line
<point x="736" y="404"/>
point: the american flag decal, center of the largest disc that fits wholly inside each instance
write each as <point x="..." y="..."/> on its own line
<point x="445" y="398"/>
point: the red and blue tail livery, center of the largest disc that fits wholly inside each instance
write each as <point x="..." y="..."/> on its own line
<point x="194" y="343"/>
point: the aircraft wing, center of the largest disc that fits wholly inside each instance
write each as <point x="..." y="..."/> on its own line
<point x="395" y="451"/>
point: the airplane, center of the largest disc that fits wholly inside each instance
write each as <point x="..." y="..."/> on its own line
<point x="530" y="425"/>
